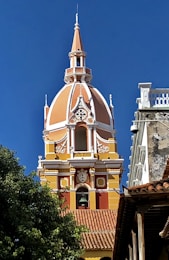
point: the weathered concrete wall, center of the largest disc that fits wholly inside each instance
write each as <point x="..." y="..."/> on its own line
<point x="158" y="142"/>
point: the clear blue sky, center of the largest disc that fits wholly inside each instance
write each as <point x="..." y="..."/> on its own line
<point x="127" y="42"/>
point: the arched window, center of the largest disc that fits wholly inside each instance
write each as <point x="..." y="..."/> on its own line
<point x="80" y="138"/>
<point x="78" y="61"/>
<point x="82" y="197"/>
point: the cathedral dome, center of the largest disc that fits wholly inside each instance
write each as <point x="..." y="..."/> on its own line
<point x="66" y="102"/>
<point x="78" y="102"/>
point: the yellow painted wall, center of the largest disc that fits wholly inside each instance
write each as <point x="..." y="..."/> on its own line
<point x="63" y="156"/>
<point x="113" y="199"/>
<point x="112" y="155"/>
<point x="51" y="181"/>
<point x="85" y="154"/>
<point x="113" y="181"/>
<point x="92" y="199"/>
<point x="113" y="147"/>
<point x="50" y="148"/>
<point x="97" y="255"/>
<point x="50" y="156"/>
<point x="72" y="200"/>
<point x="116" y="184"/>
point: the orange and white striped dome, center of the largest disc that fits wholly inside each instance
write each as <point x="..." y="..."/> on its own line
<point x="78" y="102"/>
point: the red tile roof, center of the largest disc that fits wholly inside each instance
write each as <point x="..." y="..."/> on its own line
<point x="153" y="187"/>
<point x="101" y="224"/>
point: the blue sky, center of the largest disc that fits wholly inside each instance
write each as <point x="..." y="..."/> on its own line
<point x="127" y="42"/>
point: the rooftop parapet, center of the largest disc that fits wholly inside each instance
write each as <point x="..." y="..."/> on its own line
<point x="152" y="98"/>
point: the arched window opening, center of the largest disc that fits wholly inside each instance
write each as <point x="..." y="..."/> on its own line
<point x="82" y="197"/>
<point x="80" y="139"/>
<point x="78" y="62"/>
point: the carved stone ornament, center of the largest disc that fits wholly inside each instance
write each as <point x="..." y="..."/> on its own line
<point x="102" y="148"/>
<point x="82" y="175"/>
<point x="61" y="148"/>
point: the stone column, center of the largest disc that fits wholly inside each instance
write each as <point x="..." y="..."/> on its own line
<point x="73" y="138"/>
<point x="95" y="141"/>
<point x="134" y="241"/>
<point x="143" y="101"/>
<point x="130" y="252"/>
<point x="68" y="140"/>
<point x="141" y="242"/>
<point x="72" y="189"/>
<point x="89" y="139"/>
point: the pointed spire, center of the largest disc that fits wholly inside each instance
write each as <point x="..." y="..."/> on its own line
<point x="77" y="70"/>
<point x="77" y="42"/>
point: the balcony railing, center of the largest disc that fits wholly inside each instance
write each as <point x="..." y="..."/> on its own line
<point x="150" y="98"/>
<point x="159" y="97"/>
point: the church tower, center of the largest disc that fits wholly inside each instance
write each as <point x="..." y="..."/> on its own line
<point x="81" y="159"/>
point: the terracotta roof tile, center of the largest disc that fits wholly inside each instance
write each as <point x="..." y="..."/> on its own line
<point x="154" y="187"/>
<point x="101" y="224"/>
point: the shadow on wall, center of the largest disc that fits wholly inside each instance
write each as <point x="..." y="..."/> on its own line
<point x="103" y="258"/>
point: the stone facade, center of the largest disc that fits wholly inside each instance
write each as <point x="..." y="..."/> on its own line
<point x="150" y="139"/>
<point x="158" y="144"/>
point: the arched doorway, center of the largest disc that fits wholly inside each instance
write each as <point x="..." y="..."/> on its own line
<point x="80" y="138"/>
<point x="82" y="197"/>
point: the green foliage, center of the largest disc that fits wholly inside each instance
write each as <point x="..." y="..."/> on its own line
<point x="32" y="222"/>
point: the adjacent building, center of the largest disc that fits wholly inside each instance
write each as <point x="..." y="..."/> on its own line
<point x="142" y="230"/>
<point x="150" y="139"/>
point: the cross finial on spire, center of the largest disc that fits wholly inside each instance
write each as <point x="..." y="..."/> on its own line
<point x="77" y="42"/>
<point x="77" y="20"/>
<point x="77" y="9"/>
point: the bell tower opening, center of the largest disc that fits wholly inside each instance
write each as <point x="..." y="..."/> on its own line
<point x="82" y="196"/>
<point x="78" y="61"/>
<point x="80" y="138"/>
